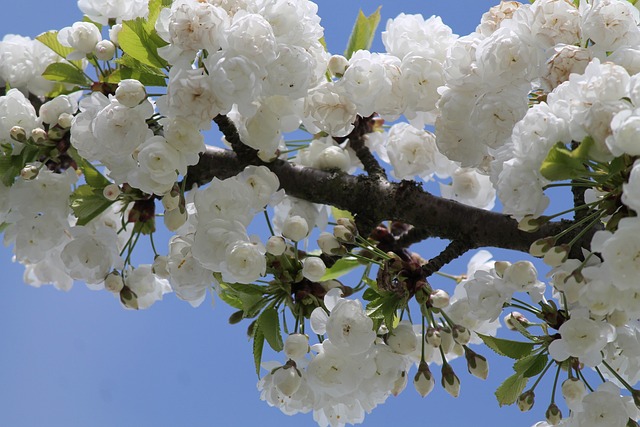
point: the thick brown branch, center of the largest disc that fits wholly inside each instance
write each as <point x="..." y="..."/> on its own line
<point x="356" y="142"/>
<point x="376" y="201"/>
<point x="453" y="250"/>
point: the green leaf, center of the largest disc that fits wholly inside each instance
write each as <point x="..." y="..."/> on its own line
<point x="242" y="288"/>
<point x="370" y="294"/>
<point x="340" y="268"/>
<point x="363" y="32"/>
<point x="65" y="73"/>
<point x="155" y="6"/>
<point x="50" y="39"/>
<point x="144" y="78"/>
<point x="507" y="393"/>
<point x="92" y="176"/>
<point x="339" y="213"/>
<point x="137" y="42"/>
<point x="531" y="365"/>
<point x="88" y="203"/>
<point x="258" y="345"/>
<point x="508" y="348"/>
<point x="562" y="163"/>
<point x="269" y="324"/>
<point x="10" y="166"/>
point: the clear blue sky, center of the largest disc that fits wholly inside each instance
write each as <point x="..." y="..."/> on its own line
<point x="78" y="359"/>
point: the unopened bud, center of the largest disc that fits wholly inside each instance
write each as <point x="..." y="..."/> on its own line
<point x="18" y="133"/>
<point x="111" y="192"/>
<point x="573" y="390"/>
<point x="553" y="414"/>
<point x="130" y="92"/>
<point x="541" y="246"/>
<point x="557" y="255"/>
<point x="433" y="337"/>
<point x="439" y="298"/>
<point x="160" y="266"/>
<point x="530" y="224"/>
<point x="403" y="339"/>
<point x="400" y="383"/>
<point x="461" y="335"/>
<point x="104" y="50"/>
<point x="515" y="316"/>
<point x="296" y="346"/>
<point x="338" y="65"/>
<point x="423" y="381"/>
<point x="65" y="120"/>
<point x="39" y="135"/>
<point x="287" y="379"/>
<point x="477" y="365"/>
<point x="526" y="400"/>
<point x="128" y="298"/>
<point x="171" y="201"/>
<point x="632" y="423"/>
<point x="313" y="268"/>
<point x="295" y="228"/>
<point x="276" y="245"/>
<point x="343" y="234"/>
<point x="175" y="219"/>
<point x="501" y="267"/>
<point x="29" y="172"/>
<point x="329" y="244"/>
<point x="450" y="380"/>
<point x="113" y="282"/>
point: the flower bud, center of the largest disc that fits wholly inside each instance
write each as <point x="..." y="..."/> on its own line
<point x="329" y="244"/>
<point x="113" y="33"/>
<point x="343" y="234"/>
<point x="130" y="93"/>
<point x="295" y="228"/>
<point x="313" y="268"/>
<point x="573" y="390"/>
<point x="104" y="50"/>
<point x="477" y="365"/>
<point x="529" y="224"/>
<point x="461" y="335"/>
<point x="556" y="255"/>
<point x="175" y="219"/>
<point x="526" y="400"/>
<point x="18" y="133"/>
<point x="296" y="346"/>
<point x="113" y="282"/>
<point x="423" y="381"/>
<point x="501" y="267"/>
<point x="338" y="65"/>
<point x="450" y="380"/>
<point x="433" y="337"/>
<point x="553" y="414"/>
<point x="513" y="317"/>
<point x="403" y="339"/>
<point x="111" y="192"/>
<point x="446" y="338"/>
<point x="400" y="383"/>
<point x="171" y="201"/>
<point x="287" y="379"/>
<point x="276" y="245"/>
<point x="29" y="172"/>
<point x="39" y="135"/>
<point x="160" y="266"/>
<point x="65" y="120"/>
<point x="541" y="246"/>
<point x="439" y="298"/>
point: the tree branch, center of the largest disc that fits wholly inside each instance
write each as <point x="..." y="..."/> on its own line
<point x="363" y="126"/>
<point x="453" y="250"/>
<point x="373" y="201"/>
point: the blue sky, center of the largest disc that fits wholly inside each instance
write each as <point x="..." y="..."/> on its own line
<point x="79" y="359"/>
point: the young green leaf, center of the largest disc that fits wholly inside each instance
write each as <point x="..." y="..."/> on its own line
<point x="531" y="365"/>
<point x="258" y="345"/>
<point x="141" y="45"/>
<point x="269" y="324"/>
<point x="50" y="39"/>
<point x="507" y="393"/>
<point x="508" y="348"/>
<point x="66" y="73"/>
<point x="363" y="32"/>
<point x="340" y="268"/>
<point x="88" y="203"/>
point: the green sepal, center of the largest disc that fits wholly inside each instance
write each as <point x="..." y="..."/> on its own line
<point x="363" y="32"/>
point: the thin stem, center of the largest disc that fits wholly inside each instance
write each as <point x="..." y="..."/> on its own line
<point x="153" y="246"/>
<point x="526" y="304"/>
<point x="266" y="216"/>
<point x="555" y="384"/>
<point x="615" y="374"/>
<point x="424" y="331"/>
<point x="542" y="375"/>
